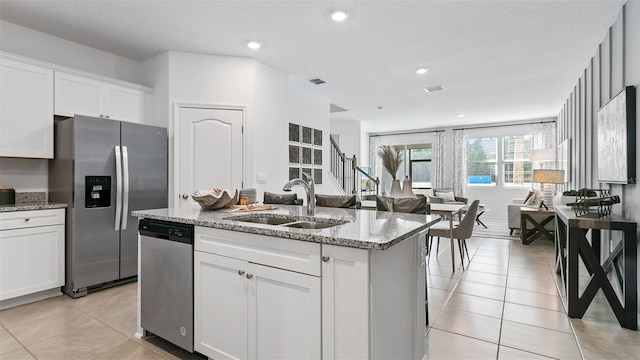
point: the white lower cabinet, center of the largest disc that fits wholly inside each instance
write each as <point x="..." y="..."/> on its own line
<point x="245" y="310"/>
<point x="31" y="252"/>
<point x="261" y="297"/>
<point x="373" y="301"/>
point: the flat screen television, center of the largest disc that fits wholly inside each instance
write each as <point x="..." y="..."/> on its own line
<point x="617" y="139"/>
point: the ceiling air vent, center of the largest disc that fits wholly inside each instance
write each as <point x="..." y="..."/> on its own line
<point x="433" y="88"/>
<point x="317" y="81"/>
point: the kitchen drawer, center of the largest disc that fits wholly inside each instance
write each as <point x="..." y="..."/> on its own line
<point x="294" y="255"/>
<point x="33" y="218"/>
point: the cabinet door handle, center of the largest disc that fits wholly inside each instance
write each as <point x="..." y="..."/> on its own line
<point x="249" y="276"/>
<point x="107" y="116"/>
<point x="325" y="258"/>
<point x="240" y="272"/>
<point x="27" y="219"/>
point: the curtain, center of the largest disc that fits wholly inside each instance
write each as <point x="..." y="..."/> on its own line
<point x="437" y="160"/>
<point x="544" y="137"/>
<point x="460" y="162"/>
<point x="374" y="160"/>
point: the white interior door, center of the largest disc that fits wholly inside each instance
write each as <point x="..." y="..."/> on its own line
<point x="210" y="150"/>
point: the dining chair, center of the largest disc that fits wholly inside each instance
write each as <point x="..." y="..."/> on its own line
<point x="283" y="199"/>
<point x="338" y="201"/>
<point x="417" y="205"/>
<point x="462" y="231"/>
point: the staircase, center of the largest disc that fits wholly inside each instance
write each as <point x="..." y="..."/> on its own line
<point x="351" y="178"/>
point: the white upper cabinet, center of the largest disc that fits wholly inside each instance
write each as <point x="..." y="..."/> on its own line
<point x="26" y="110"/>
<point x="85" y="96"/>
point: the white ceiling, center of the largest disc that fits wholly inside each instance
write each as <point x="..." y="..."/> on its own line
<point x="497" y="60"/>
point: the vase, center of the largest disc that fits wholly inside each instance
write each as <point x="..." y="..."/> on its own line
<point x="407" y="192"/>
<point x="395" y="189"/>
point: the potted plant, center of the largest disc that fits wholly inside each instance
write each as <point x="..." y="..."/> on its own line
<point x="391" y="160"/>
<point x="570" y="196"/>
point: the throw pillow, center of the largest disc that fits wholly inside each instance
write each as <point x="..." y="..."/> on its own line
<point x="532" y="200"/>
<point x="529" y="195"/>
<point x="447" y="196"/>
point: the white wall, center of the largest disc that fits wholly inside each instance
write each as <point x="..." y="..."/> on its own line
<point x="313" y="111"/>
<point x="44" y="47"/>
<point x="24" y="175"/>
<point x="348" y="132"/>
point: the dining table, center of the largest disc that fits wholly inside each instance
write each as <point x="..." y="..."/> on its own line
<point x="449" y="211"/>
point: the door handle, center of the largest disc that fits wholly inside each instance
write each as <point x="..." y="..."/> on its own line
<point x="325" y="258"/>
<point x="125" y="187"/>
<point x="118" y="187"/>
<point x="249" y="276"/>
<point x="185" y="196"/>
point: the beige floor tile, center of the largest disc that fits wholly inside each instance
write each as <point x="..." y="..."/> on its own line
<point x="128" y="349"/>
<point x="492" y="252"/>
<point x="445" y="345"/>
<point x="540" y="341"/>
<point x="530" y="274"/>
<point x="443" y="271"/>
<point x="20" y="354"/>
<point x="507" y="353"/>
<point x="601" y="339"/>
<point x="484" y="278"/>
<point x="488" y="268"/>
<point x="76" y="342"/>
<point x="63" y="324"/>
<point x="482" y="290"/>
<point x="549" y="319"/>
<point x="469" y="324"/>
<point x="529" y="264"/>
<point x="491" y="260"/>
<point x="125" y="323"/>
<point x="540" y="286"/>
<point x="476" y="305"/>
<point x="549" y="302"/>
<point x="8" y="343"/>
<point x="34" y="311"/>
<point x="443" y="283"/>
<point x="109" y="302"/>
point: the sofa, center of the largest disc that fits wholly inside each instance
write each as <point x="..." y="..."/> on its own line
<point x="446" y="196"/>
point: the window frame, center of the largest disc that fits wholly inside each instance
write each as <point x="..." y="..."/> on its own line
<point x="500" y="162"/>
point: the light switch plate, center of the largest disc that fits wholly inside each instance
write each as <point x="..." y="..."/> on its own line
<point x="261" y="178"/>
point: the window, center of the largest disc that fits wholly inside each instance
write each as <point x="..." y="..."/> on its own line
<point x="515" y="159"/>
<point x="482" y="161"/>
<point x="500" y="160"/>
<point x="419" y="161"/>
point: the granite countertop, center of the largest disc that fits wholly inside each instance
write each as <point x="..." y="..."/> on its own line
<point x="32" y="206"/>
<point x="365" y="229"/>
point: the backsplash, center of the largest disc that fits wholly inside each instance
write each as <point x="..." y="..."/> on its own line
<point x="31" y="197"/>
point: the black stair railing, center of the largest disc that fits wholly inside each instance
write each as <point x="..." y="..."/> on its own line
<point x="352" y="178"/>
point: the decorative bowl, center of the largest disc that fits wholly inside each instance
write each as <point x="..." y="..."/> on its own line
<point x="215" y="199"/>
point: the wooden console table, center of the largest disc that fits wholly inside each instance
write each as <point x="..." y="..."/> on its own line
<point x="539" y="219"/>
<point x="572" y="244"/>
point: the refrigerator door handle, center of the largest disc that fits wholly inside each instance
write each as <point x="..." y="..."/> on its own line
<point x="125" y="187"/>
<point x="118" y="188"/>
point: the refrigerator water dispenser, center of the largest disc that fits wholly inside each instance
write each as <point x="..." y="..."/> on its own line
<point x="97" y="191"/>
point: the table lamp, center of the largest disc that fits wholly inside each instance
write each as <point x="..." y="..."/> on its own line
<point x="548" y="177"/>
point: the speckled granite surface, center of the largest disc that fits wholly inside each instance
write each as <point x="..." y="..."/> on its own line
<point x="31" y="206"/>
<point x="26" y="201"/>
<point x="366" y="229"/>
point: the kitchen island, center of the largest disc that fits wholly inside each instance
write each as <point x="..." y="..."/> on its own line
<point x="343" y="283"/>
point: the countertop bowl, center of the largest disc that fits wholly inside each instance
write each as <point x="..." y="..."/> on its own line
<point x="213" y="200"/>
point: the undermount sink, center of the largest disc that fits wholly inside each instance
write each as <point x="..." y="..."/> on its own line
<point x="291" y="221"/>
<point x="266" y="220"/>
<point x="311" y="225"/>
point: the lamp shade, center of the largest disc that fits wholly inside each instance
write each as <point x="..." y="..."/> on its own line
<point x="542" y="155"/>
<point x="548" y="176"/>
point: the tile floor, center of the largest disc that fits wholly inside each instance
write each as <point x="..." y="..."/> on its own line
<point x="505" y="305"/>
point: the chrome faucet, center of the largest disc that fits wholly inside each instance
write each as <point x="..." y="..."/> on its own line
<point x="309" y="188"/>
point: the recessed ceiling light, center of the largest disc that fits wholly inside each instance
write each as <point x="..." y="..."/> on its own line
<point x="253" y="45"/>
<point x="422" y="70"/>
<point x="339" y="15"/>
<point x="460" y="115"/>
<point x="433" y="88"/>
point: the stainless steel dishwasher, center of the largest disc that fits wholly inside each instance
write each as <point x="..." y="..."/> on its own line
<point x="166" y="281"/>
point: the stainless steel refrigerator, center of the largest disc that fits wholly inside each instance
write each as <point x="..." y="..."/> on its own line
<point x="104" y="169"/>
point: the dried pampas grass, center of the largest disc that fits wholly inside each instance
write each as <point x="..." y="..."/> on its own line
<point x="391" y="159"/>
